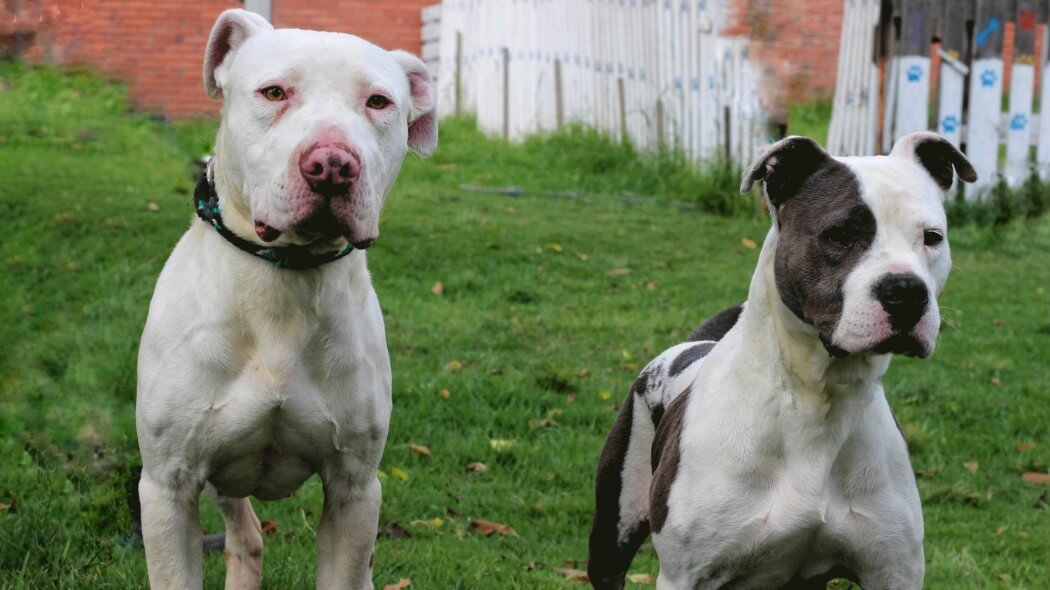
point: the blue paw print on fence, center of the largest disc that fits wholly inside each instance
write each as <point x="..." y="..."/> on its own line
<point x="989" y="78"/>
<point x="914" y="73"/>
<point x="950" y="124"/>
<point x="1018" y="122"/>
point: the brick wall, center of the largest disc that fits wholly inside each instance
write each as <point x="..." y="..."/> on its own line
<point x="796" y="43"/>
<point x="157" y="46"/>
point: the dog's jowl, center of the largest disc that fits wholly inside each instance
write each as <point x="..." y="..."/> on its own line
<point x="766" y="455"/>
<point x="264" y="358"/>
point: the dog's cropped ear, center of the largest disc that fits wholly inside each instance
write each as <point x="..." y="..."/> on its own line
<point x="422" y="120"/>
<point x="937" y="155"/>
<point x="231" y="29"/>
<point x="785" y="166"/>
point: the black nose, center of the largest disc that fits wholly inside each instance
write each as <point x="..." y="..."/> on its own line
<point x="904" y="297"/>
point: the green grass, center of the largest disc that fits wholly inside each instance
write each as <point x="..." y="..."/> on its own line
<point x="530" y="311"/>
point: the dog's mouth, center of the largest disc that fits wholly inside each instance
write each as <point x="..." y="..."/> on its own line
<point x="315" y="229"/>
<point x="902" y="343"/>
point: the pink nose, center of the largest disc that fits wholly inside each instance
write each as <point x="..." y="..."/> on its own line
<point x="329" y="169"/>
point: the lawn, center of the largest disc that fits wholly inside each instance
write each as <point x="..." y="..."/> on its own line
<point x="548" y="306"/>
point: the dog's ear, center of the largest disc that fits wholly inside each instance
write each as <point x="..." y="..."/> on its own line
<point x="422" y="120"/>
<point x="785" y="166"/>
<point x="937" y="155"/>
<point x="231" y="29"/>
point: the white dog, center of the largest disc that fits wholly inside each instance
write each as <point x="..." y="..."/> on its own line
<point x="770" y="458"/>
<point x="264" y="358"/>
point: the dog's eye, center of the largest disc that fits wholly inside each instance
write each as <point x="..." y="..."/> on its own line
<point x="273" y="93"/>
<point x="932" y="237"/>
<point x="839" y="237"/>
<point x="378" y="102"/>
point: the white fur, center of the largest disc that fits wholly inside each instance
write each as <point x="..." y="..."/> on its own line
<point x="791" y="459"/>
<point x="788" y="458"/>
<point x="250" y="378"/>
<point x="903" y="211"/>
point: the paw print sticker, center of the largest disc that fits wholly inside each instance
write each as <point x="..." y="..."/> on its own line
<point x="950" y="124"/>
<point x="914" y="73"/>
<point x="1019" y="122"/>
<point x="989" y="78"/>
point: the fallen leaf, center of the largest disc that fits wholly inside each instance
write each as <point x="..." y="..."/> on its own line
<point x="419" y="450"/>
<point x="397" y="531"/>
<point x="999" y="531"/>
<point x="438" y="288"/>
<point x="748" y="243"/>
<point x="570" y="398"/>
<point x="641" y="579"/>
<point x="453" y="366"/>
<point x="583" y="257"/>
<point x="153" y="206"/>
<point x="574" y="575"/>
<point x="604" y="395"/>
<point x="972" y="466"/>
<point x="399" y="473"/>
<point x="554" y="247"/>
<point x="541" y="423"/>
<point x="618" y="272"/>
<point x="1024" y="534"/>
<point x="487" y="528"/>
<point x="400" y="585"/>
<point x="433" y="523"/>
<point x="650" y="285"/>
<point x="269" y="527"/>
<point x="997" y="382"/>
<point x="533" y="565"/>
<point x="998" y="322"/>
<point x="444" y="393"/>
<point x="1004" y="577"/>
<point x="1026" y="446"/>
<point x="1036" y="478"/>
<point x="583" y="372"/>
<point x="502" y="444"/>
<point x="477" y="467"/>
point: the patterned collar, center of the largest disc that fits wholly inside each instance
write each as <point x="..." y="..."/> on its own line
<point x="206" y="201"/>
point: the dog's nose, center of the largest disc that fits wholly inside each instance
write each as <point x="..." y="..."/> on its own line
<point x="904" y="297"/>
<point x="329" y="169"/>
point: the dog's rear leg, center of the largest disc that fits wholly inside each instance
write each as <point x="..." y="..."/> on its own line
<point x="171" y="532"/>
<point x="621" y="508"/>
<point x="346" y="534"/>
<point x="244" y="543"/>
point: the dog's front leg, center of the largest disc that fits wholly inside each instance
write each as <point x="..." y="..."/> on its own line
<point x="171" y="532"/>
<point x="347" y="533"/>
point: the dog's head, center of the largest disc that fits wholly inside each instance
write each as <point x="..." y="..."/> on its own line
<point x="862" y="247"/>
<point x="315" y="125"/>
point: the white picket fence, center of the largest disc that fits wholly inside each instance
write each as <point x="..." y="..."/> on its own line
<point x="982" y="128"/>
<point x="656" y="73"/>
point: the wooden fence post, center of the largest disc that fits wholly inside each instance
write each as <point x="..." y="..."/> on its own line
<point x="506" y="93"/>
<point x="559" y="113"/>
<point x="1022" y="80"/>
<point x="459" y="73"/>
<point x="986" y="95"/>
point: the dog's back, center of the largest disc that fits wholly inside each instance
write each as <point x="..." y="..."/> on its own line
<point x="629" y="458"/>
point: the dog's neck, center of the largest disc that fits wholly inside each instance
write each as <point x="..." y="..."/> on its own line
<point x="235" y="211"/>
<point x="794" y="347"/>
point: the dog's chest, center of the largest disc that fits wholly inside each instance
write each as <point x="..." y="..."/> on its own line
<point x="772" y="505"/>
<point x="299" y="393"/>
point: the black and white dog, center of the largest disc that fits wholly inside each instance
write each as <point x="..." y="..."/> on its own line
<point x="765" y="455"/>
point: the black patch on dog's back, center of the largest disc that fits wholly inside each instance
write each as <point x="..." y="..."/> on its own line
<point x="716" y="326"/>
<point x="689" y="356"/>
